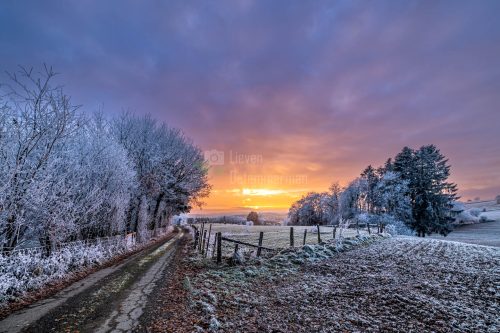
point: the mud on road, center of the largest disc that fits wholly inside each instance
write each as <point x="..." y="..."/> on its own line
<point x="111" y="300"/>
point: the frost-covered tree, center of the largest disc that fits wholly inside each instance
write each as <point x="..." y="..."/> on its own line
<point x="369" y="194"/>
<point x="331" y="202"/>
<point x="313" y="208"/>
<point x="65" y="176"/>
<point x="171" y="171"/>
<point x="426" y="171"/>
<point x="37" y="118"/>
<point x="87" y="188"/>
<point x="411" y="191"/>
<point x="302" y="212"/>
<point x="351" y="200"/>
<point x="393" y="197"/>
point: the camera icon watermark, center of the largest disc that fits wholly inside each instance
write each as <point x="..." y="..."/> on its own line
<point x="214" y="157"/>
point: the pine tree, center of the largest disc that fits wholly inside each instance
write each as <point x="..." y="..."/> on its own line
<point x="426" y="171"/>
<point x="371" y="178"/>
<point x="387" y="167"/>
<point x="393" y="197"/>
<point x="403" y="163"/>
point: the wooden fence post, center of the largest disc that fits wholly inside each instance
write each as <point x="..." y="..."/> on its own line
<point x="208" y="239"/>
<point x="204" y="239"/>
<point x="201" y="235"/>
<point x="219" y="247"/>
<point x="334" y="231"/>
<point x="305" y="235"/>
<point x="259" y="249"/>
<point x="214" y="245"/>
<point x="319" y="235"/>
<point x="291" y="237"/>
<point x="195" y="238"/>
<point x="368" y="227"/>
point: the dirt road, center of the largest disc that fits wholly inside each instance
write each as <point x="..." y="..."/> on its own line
<point x="110" y="300"/>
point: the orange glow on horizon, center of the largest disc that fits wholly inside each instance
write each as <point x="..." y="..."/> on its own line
<point x="271" y="179"/>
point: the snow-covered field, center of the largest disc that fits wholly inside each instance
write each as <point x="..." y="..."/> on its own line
<point x="487" y="233"/>
<point x="400" y="284"/>
<point x="492" y="215"/>
<point x="487" y="205"/>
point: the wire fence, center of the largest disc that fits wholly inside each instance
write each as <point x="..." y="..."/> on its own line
<point x="223" y="243"/>
<point x="126" y="241"/>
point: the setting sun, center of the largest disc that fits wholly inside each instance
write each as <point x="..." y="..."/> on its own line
<point x="249" y="166"/>
<point x="261" y="192"/>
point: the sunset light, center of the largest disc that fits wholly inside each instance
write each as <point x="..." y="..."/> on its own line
<point x="249" y="166"/>
<point x="261" y="192"/>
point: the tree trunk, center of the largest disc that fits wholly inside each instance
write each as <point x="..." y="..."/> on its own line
<point x="11" y="236"/>
<point x="142" y="221"/>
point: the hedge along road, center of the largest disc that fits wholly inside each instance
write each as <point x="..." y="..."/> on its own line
<point x="110" y="300"/>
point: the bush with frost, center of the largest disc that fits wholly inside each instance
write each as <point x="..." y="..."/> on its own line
<point x="395" y="227"/>
<point x="25" y="271"/>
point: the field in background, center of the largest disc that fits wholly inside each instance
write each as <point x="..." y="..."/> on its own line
<point x="275" y="237"/>
<point x="491" y="208"/>
<point x="488" y="204"/>
<point x="487" y="233"/>
<point x="492" y="215"/>
<point x="264" y="216"/>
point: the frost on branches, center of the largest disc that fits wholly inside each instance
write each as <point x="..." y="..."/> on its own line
<point x="67" y="176"/>
<point x="410" y="195"/>
<point x="27" y="270"/>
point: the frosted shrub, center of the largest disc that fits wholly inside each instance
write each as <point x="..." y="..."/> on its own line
<point x="475" y="212"/>
<point x="27" y="271"/>
<point x="466" y="217"/>
<point x="396" y="227"/>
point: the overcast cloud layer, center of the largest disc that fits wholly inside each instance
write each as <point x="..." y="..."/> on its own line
<point x="321" y="88"/>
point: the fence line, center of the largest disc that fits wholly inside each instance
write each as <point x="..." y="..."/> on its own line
<point x="129" y="240"/>
<point x="219" y="243"/>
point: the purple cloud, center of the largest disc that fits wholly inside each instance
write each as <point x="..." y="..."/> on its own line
<point x="338" y="84"/>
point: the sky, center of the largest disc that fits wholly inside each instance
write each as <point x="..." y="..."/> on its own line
<point x="288" y="96"/>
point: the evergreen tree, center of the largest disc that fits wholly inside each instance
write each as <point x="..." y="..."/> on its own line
<point x="426" y="171"/>
<point x="388" y="167"/>
<point x="403" y="163"/>
<point x="393" y="197"/>
<point x="371" y="179"/>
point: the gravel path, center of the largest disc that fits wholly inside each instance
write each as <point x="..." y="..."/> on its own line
<point x="126" y="315"/>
